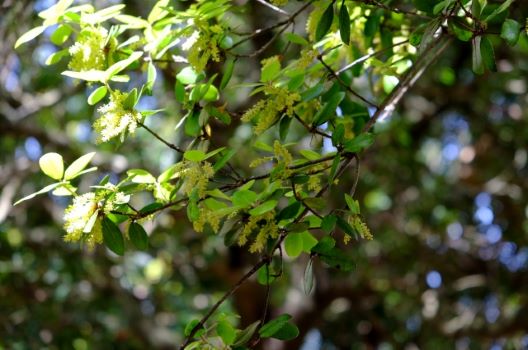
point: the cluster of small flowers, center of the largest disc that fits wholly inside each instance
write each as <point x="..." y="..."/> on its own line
<point x="204" y="47"/>
<point x="307" y="57"/>
<point x="88" y="51"/>
<point x="266" y="112"/>
<point x="115" y="118"/>
<point x="207" y="216"/>
<point x="267" y="229"/>
<point x="197" y="175"/>
<point x="360" y="226"/>
<point x="314" y="183"/>
<point x="81" y="218"/>
<point x="284" y="159"/>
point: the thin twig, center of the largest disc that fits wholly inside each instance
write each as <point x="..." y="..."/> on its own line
<point x="230" y="292"/>
<point x="273" y="7"/>
<point x="343" y="84"/>
<point x="310" y="129"/>
<point x="366" y="57"/>
<point x="284" y="23"/>
<point x="408" y="80"/>
<point x="168" y="144"/>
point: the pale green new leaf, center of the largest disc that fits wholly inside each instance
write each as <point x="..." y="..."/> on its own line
<point x="44" y="190"/>
<point x="52" y="165"/>
<point x="77" y="166"/>
<point x="30" y="35"/>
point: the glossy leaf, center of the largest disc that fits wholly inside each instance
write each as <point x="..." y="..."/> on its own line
<point x="112" y="237"/>
<point x="52" y="165"/>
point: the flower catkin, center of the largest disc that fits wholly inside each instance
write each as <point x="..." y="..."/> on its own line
<point x="115" y="119"/>
<point x="77" y="216"/>
<point x="88" y="51"/>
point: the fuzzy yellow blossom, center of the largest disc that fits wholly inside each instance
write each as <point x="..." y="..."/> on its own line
<point x="115" y="118"/>
<point x="207" y="216"/>
<point x="307" y="57"/>
<point x="266" y="112"/>
<point x="77" y="216"/>
<point x="267" y="228"/>
<point x="314" y="183"/>
<point x="259" y="161"/>
<point x="88" y="51"/>
<point x="204" y="47"/>
<point x="197" y="176"/>
<point x="361" y="227"/>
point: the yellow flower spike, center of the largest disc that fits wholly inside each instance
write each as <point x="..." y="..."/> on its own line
<point x="88" y="51"/>
<point x="115" y="119"/>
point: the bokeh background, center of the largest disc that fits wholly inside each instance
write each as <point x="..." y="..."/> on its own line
<point x="444" y="191"/>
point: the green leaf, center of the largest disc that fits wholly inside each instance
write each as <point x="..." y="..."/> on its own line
<point x="245" y="335"/>
<point x="220" y="163"/>
<point x="460" y="32"/>
<point x="91" y="222"/>
<point x="119" y="66"/>
<point x="192" y="123"/>
<point x="211" y="94"/>
<point x="359" y="143"/>
<point x="89" y="75"/>
<point x="503" y="7"/>
<point x="329" y="108"/>
<point x="293" y="244"/>
<point x="288" y="332"/>
<point x="112" y="237"/>
<point x="325" y="245"/>
<point x="284" y="127"/>
<point x="194" y="155"/>
<point x="56" y="57"/>
<point x="488" y="55"/>
<point x="344" y="24"/>
<point x="226" y="331"/>
<point x="187" y="76"/>
<point x="510" y="31"/>
<point x="289" y="212"/>
<point x="179" y="91"/>
<point x="151" y="77"/>
<point x="193" y="212"/>
<point x="309" y="241"/>
<point x="476" y="58"/>
<point x="244" y="198"/>
<point x="228" y="72"/>
<point x="263" y="208"/>
<point x="372" y="25"/>
<point x="309" y="154"/>
<point x="338" y="135"/>
<point x="97" y="95"/>
<point x="52" y="165"/>
<point x="30" y="35"/>
<point x="313" y="92"/>
<point x="328" y="223"/>
<point x="138" y="236"/>
<point x="77" y="166"/>
<point x="346" y="228"/>
<point x="44" y="190"/>
<point x="141" y="176"/>
<point x="60" y="35"/>
<point x="352" y="204"/>
<point x="296" y="39"/>
<point x="337" y="259"/>
<point x="308" y="280"/>
<point x="270" y="70"/>
<point x="333" y="169"/>
<point x="325" y="22"/>
<point x="273" y="326"/>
